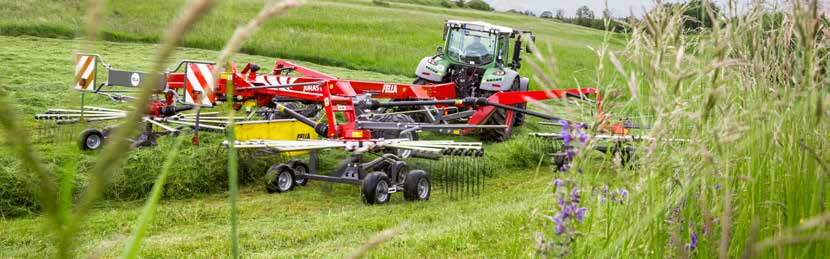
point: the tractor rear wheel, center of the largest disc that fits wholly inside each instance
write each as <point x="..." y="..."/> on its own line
<point x="375" y="189"/>
<point x="395" y="134"/>
<point x="417" y="186"/>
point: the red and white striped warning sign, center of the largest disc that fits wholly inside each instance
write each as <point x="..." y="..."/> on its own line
<point x="276" y="80"/>
<point x="85" y="72"/>
<point x="199" y="88"/>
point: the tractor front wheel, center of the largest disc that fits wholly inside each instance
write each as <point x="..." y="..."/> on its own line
<point x="499" y="117"/>
<point x="375" y="189"/>
<point x="518" y="118"/>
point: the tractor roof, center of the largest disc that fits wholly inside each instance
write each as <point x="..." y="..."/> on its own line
<point x="479" y="26"/>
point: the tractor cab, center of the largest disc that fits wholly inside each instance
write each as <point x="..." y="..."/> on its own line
<point x="479" y="57"/>
<point x="476" y="44"/>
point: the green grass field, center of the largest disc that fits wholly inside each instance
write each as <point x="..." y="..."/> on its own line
<point x="351" y="34"/>
<point x="750" y="104"/>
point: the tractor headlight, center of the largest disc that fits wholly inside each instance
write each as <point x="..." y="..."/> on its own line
<point x="432" y="62"/>
<point x="499" y="73"/>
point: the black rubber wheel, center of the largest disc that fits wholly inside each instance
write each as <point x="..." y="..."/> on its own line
<point x="396" y="171"/>
<point x="304" y="109"/>
<point x="375" y="189"/>
<point x="417" y="186"/>
<point x="395" y="134"/>
<point x="91" y="139"/>
<point x="499" y="117"/>
<point x="300" y="169"/>
<point x="518" y="118"/>
<point x="279" y="178"/>
<point x="421" y="81"/>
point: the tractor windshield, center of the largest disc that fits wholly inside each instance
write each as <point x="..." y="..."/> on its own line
<point x="471" y="47"/>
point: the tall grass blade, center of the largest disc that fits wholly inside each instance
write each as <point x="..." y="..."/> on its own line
<point x="140" y="228"/>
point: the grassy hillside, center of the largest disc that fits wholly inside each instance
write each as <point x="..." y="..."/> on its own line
<point x="350" y="33"/>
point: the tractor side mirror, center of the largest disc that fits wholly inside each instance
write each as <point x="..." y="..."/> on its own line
<point x="527" y="47"/>
<point x="439" y="50"/>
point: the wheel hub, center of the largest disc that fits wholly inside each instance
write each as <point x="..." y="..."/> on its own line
<point x="382" y="191"/>
<point x="423" y="188"/>
<point x="284" y="180"/>
<point x="93" y="141"/>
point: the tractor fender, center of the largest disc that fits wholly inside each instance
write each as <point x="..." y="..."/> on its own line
<point x="524" y="84"/>
<point x="491" y="82"/>
<point x="430" y="72"/>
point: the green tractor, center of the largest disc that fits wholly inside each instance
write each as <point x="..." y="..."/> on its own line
<point x="476" y="56"/>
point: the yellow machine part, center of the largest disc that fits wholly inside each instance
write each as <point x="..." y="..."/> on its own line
<point x="275" y="130"/>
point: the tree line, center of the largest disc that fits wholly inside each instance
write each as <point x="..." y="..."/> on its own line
<point x="695" y="11"/>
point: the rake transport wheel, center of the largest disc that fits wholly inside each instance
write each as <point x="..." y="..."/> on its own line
<point x="375" y="189"/>
<point x="395" y="134"/>
<point x="417" y="186"/>
<point x="300" y="170"/>
<point x="279" y="178"/>
<point x="91" y="139"/>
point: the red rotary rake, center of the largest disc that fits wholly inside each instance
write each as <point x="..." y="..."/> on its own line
<point x="370" y="126"/>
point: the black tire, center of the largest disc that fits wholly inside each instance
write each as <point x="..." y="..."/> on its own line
<point x="396" y="171"/>
<point x="417" y="186"/>
<point x="421" y="81"/>
<point x="91" y="139"/>
<point x="300" y="169"/>
<point x="279" y="178"/>
<point x="518" y="118"/>
<point x="395" y="134"/>
<point x="499" y="117"/>
<point x="306" y="110"/>
<point x="375" y="189"/>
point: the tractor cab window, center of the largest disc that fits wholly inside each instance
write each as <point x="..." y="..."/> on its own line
<point x="471" y="47"/>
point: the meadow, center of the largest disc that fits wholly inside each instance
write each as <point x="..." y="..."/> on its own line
<point x="741" y="113"/>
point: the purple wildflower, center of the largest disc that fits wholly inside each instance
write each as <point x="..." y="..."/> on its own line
<point x="564" y="124"/>
<point x="559" y="227"/>
<point x="557" y="183"/>
<point x="570" y="153"/>
<point x="604" y="189"/>
<point x="575" y="195"/>
<point x="566" y="139"/>
<point x="561" y="203"/>
<point x="580" y="213"/>
<point x="583" y="138"/>
<point x="692" y="245"/>
<point x="564" y="168"/>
